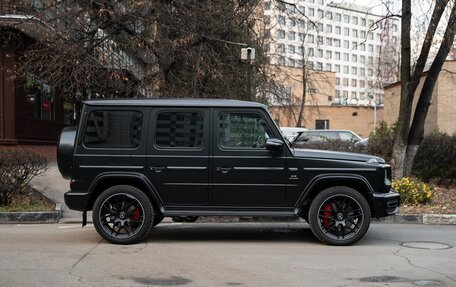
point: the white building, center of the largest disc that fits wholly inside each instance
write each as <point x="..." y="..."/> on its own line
<point x="360" y="47"/>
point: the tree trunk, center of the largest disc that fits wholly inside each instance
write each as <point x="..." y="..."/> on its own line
<point x="417" y="129"/>
<point x="402" y="128"/>
<point x="303" y="99"/>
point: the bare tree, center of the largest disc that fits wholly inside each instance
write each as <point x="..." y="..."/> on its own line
<point x="408" y="138"/>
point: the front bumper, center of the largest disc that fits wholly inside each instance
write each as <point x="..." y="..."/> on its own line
<point x="386" y="204"/>
<point x="77" y="200"/>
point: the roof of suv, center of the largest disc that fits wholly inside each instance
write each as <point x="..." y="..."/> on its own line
<point x="175" y="102"/>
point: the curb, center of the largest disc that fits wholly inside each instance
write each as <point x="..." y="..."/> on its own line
<point x="32" y="216"/>
<point x="436" y="219"/>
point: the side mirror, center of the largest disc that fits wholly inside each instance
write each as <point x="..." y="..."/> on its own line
<point x="274" y="144"/>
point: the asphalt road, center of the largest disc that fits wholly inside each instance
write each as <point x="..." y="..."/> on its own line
<point x="241" y="254"/>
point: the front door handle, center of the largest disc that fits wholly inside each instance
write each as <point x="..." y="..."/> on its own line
<point x="223" y="169"/>
<point x="157" y="168"/>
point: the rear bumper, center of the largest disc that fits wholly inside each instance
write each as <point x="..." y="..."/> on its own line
<point x="386" y="203"/>
<point x="77" y="200"/>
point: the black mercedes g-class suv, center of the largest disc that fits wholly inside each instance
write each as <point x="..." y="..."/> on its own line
<point x="134" y="161"/>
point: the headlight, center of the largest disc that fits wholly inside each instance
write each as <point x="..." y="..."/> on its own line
<point x="387" y="177"/>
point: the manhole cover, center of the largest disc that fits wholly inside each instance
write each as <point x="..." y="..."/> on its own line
<point x="428" y="245"/>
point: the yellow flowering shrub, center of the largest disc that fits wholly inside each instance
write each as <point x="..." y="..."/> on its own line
<point x="413" y="191"/>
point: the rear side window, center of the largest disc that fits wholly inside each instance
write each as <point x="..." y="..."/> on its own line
<point x="179" y="130"/>
<point x="113" y="129"/>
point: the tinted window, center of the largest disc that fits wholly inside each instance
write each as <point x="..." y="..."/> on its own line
<point x="243" y="130"/>
<point x="113" y="129"/>
<point x="179" y="129"/>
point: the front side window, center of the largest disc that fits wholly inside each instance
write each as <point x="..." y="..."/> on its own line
<point x="243" y="130"/>
<point x="179" y="130"/>
<point x="113" y="129"/>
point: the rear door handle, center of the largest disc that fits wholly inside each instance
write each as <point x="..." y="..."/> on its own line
<point x="223" y="169"/>
<point x="157" y="168"/>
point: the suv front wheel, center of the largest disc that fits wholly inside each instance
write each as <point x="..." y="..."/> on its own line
<point x="339" y="215"/>
<point x="123" y="214"/>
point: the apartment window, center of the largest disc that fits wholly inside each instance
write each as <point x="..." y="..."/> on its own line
<point x="299" y="63"/>
<point x="363" y="34"/>
<point x="280" y="48"/>
<point x="291" y="22"/>
<point x="320" y="2"/>
<point x="320" y="53"/>
<point x="346" y="57"/>
<point x="310" y="39"/>
<point x="362" y="59"/>
<point x="353" y="95"/>
<point x="346" y="32"/>
<point x="394" y="27"/>
<point x="329" y="41"/>
<point x="370" y="72"/>
<point x="267" y="5"/>
<point x="346" y="70"/>
<point x="267" y="19"/>
<point x="370" y="36"/>
<point x="311" y="12"/>
<point x="337" y="42"/>
<point x="329" y="15"/>
<point x="371" y="23"/>
<point x="329" y="28"/>
<point x="338" y="17"/>
<point x="280" y="34"/>
<point x="281" y="20"/>
<point x="311" y="1"/>
<point x="362" y="84"/>
<point x="291" y="35"/>
<point x="281" y="61"/>
<point x="291" y="49"/>
<point x="346" y="19"/>
<point x="301" y="24"/>
<point x="394" y="40"/>
<point x="355" y="33"/>
<point x="320" y="27"/>
<point x="362" y="46"/>
<point x="378" y="36"/>
<point x="353" y="83"/>
<point x="363" y="22"/>
<point x="281" y="6"/>
<point x="320" y="13"/>
<point x="370" y="60"/>
<point x="328" y="67"/>
<point x="310" y="52"/>
<point x="310" y="26"/>
<point x="362" y="71"/>
<point x="354" y="58"/>
<point x="370" y="48"/>
<point x="302" y="9"/>
<point x="337" y="81"/>
<point x="345" y="94"/>
<point x="302" y="36"/>
<point x="290" y="62"/>
<point x="354" y="45"/>
<point x="337" y="69"/>
<point x="300" y="50"/>
<point x="378" y="48"/>
<point x="345" y="82"/>
<point x="338" y="30"/>
<point x="346" y="44"/>
<point x="328" y="54"/>
<point x="320" y="40"/>
<point x="310" y="64"/>
<point x="354" y="71"/>
<point x="291" y="9"/>
<point x="319" y="66"/>
<point x="337" y="55"/>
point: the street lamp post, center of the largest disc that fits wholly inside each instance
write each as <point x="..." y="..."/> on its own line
<point x="248" y="55"/>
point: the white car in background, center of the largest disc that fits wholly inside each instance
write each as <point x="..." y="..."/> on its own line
<point x="322" y="135"/>
<point x="290" y="133"/>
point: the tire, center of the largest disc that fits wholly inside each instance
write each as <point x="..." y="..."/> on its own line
<point x="339" y="216"/>
<point x="123" y="214"/>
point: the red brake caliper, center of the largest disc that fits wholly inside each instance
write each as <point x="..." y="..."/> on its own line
<point x="326" y="215"/>
<point x="136" y="214"/>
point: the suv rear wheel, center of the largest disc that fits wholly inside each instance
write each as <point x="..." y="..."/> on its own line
<point x="123" y="214"/>
<point x="339" y="216"/>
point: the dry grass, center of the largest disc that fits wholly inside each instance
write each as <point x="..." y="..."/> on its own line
<point x="29" y="200"/>
<point x="443" y="203"/>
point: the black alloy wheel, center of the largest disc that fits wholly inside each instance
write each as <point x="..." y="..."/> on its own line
<point x="123" y="214"/>
<point x="339" y="216"/>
